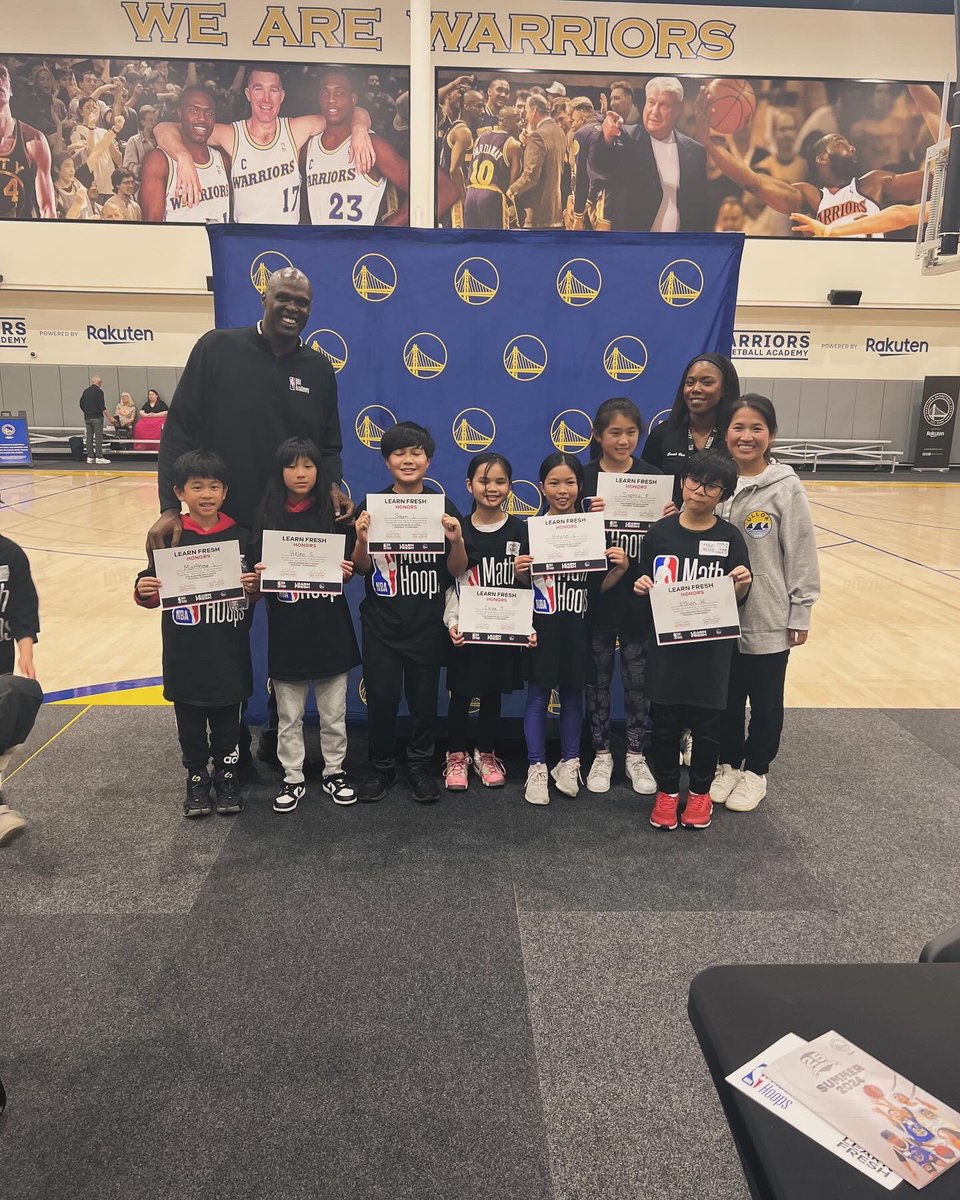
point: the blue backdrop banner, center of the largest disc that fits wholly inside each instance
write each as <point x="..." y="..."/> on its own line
<point x="489" y="339"/>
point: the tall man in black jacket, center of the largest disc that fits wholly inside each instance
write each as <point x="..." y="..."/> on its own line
<point x="93" y="405"/>
<point x="242" y="393"/>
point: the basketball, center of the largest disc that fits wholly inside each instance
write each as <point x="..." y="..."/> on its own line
<point x="871" y="1090"/>
<point x="732" y="104"/>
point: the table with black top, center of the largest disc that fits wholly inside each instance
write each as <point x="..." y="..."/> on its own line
<point x="905" y="1014"/>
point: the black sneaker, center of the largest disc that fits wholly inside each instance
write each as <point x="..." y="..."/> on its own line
<point x="196" y="803"/>
<point x="267" y="749"/>
<point x="289" y="797"/>
<point x="376" y="785"/>
<point x="336" y="786"/>
<point x="421" y="782"/>
<point x="227" y="788"/>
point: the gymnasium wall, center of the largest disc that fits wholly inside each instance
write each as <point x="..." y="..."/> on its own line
<point x="61" y="278"/>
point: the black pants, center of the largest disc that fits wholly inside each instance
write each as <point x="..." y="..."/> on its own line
<point x="488" y="719"/>
<point x="388" y="673"/>
<point x="758" y="678"/>
<point x="669" y="722"/>
<point x="192" y="721"/>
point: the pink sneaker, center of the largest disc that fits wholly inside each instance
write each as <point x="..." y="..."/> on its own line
<point x="455" y="772"/>
<point x="489" y="768"/>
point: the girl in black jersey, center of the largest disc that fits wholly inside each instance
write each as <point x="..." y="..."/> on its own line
<point x="310" y="638"/>
<point x="493" y="541"/>
<point x="698" y="419"/>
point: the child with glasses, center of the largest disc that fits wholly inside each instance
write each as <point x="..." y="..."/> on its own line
<point x="687" y="682"/>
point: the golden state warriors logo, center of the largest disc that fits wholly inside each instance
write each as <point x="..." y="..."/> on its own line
<point x="370" y="424"/>
<point x="553" y="704"/>
<point x="625" y="358"/>
<point x="433" y="483"/>
<point x="524" y="500"/>
<point x="374" y="278"/>
<point x="681" y="283"/>
<point x="757" y="524"/>
<point x="658" y="419"/>
<point x="571" y="431"/>
<point x="938" y="409"/>
<point x="362" y="690"/>
<point x="264" y="265"/>
<point x="525" y="357"/>
<point x="425" y="356"/>
<point x="476" y="281"/>
<point x="345" y="488"/>
<point x="579" y="282"/>
<point x="329" y="343"/>
<point x="474" y="429"/>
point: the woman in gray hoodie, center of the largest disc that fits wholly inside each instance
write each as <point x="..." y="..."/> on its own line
<point x="770" y="508"/>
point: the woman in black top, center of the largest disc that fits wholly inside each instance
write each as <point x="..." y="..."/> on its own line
<point x="153" y="404"/>
<point x="708" y="386"/>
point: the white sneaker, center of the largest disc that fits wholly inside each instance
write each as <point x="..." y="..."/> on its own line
<point x="725" y="780"/>
<point x="686" y="748"/>
<point x="89" y="460"/>
<point x="749" y="791"/>
<point x="599" y="778"/>
<point x="640" y="775"/>
<point x="538" y="787"/>
<point x="566" y="775"/>
<point x="11" y="823"/>
<point x="104" y="462"/>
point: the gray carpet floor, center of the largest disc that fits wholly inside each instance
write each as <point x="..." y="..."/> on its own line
<point x="474" y="1000"/>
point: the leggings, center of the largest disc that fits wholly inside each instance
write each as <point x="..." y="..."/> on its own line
<point x="535" y="722"/>
<point x="633" y="670"/>
<point x="488" y="719"/>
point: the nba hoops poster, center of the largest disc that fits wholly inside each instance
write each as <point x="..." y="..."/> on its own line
<point x="491" y="341"/>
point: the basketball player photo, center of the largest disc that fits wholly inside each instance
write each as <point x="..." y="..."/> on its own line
<point x="26" y="184"/>
<point x="160" y="196"/>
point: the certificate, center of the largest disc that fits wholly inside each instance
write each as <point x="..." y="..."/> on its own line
<point x="200" y="574"/>
<point x="496" y="616"/>
<point x="563" y="543"/>
<point x="633" y="502"/>
<point x="303" y="562"/>
<point x="405" y="524"/>
<point x="701" y="610"/>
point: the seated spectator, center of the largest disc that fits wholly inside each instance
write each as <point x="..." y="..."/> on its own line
<point x="125" y="414"/>
<point x="153" y="404"/>
<point x="731" y="217"/>
<point x="73" y="203"/>
<point x="121" y="206"/>
<point x="140" y="145"/>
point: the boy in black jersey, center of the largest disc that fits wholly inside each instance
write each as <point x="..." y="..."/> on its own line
<point x="687" y="683"/>
<point x="404" y="637"/>
<point x="207" y="672"/>
<point x="20" y="624"/>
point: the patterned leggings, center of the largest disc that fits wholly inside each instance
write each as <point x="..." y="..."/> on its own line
<point x="633" y="670"/>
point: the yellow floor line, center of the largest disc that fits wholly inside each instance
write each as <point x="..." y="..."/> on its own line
<point x="49" y="741"/>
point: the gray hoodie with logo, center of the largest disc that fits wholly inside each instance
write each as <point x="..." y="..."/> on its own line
<point x="772" y="513"/>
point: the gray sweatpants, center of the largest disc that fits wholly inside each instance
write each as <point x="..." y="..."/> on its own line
<point x="331" y="696"/>
<point x="94" y="437"/>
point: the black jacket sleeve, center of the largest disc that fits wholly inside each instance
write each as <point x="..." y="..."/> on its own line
<point x="330" y="438"/>
<point x="182" y="427"/>
<point x="653" y="447"/>
<point x="23" y="608"/>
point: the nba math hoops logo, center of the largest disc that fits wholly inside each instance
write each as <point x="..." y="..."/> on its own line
<point x="571" y="431"/>
<point x="938" y="409"/>
<point x="264" y="265"/>
<point x="524" y="500"/>
<point x="374" y="278"/>
<point x="474" y="429"/>
<point x="330" y="344"/>
<point x="370" y="424"/>
<point x="525" y="357"/>
<point x="625" y="358"/>
<point x="681" y="283"/>
<point x="578" y="282"/>
<point x="425" y="356"/>
<point x="476" y="281"/>
<point x="666" y="568"/>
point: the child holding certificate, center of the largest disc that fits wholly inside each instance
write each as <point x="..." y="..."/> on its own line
<point x="311" y="642"/>
<point x="561" y="658"/>
<point x="206" y="647"/>
<point x="687" y="683"/>
<point x="404" y="638"/>
<point x="770" y="507"/>
<point x="494" y="540"/>
<point x="616" y="431"/>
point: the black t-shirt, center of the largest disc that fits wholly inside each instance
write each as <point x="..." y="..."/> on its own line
<point x="206" y="647"/>
<point x="690" y="673"/>
<point x="19" y="615"/>
<point x="670" y="448"/>
<point x="613" y="611"/>
<point x="560" y="607"/>
<point x="405" y="595"/>
<point x="310" y="635"/>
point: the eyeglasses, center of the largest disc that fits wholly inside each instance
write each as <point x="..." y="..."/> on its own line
<point x="710" y="490"/>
